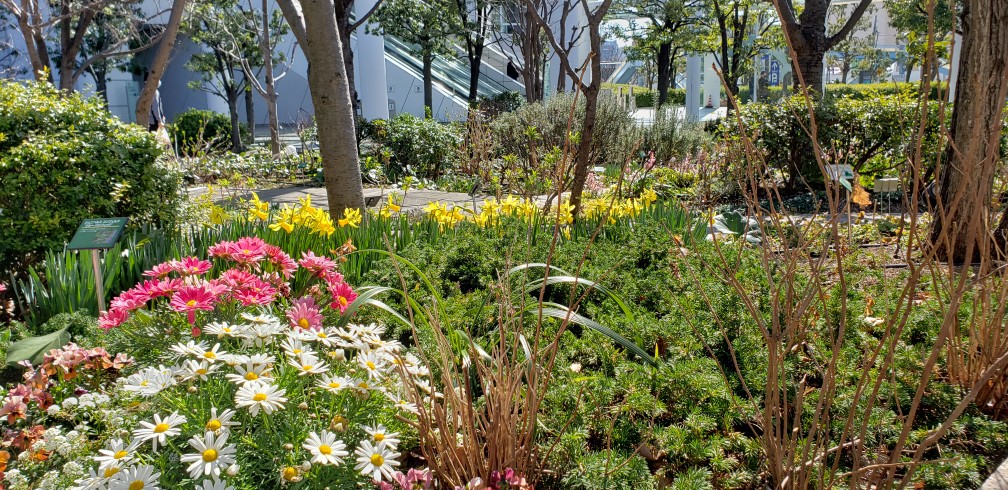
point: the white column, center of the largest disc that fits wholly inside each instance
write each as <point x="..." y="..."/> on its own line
<point x="694" y="65"/>
<point x="711" y="83"/>
<point x="369" y="63"/>
<point x="754" y="96"/>
<point x="953" y="67"/>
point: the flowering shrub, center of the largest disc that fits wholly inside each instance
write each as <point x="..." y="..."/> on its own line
<point x="63" y="392"/>
<point x="251" y="383"/>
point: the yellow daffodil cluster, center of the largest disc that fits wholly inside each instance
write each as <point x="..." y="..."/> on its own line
<point x="393" y="206"/>
<point x="316" y="220"/>
<point x="492" y="210"/>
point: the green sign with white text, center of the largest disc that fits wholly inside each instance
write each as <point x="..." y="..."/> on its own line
<point x="97" y="233"/>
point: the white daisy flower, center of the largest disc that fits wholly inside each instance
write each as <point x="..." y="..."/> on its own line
<point x="325" y="448"/>
<point x="232" y="359"/>
<point x="256" y="396"/>
<point x="308" y="364"/>
<point x="326" y="337"/>
<point x="250" y="372"/>
<point x="160" y="430"/>
<point x="139" y="477"/>
<point x="372" y="364"/>
<point x="224" y="329"/>
<point x="294" y="346"/>
<point x="375" y="460"/>
<point x="214" y="484"/>
<point x="93" y="481"/>
<point x="218" y="423"/>
<point x="260" y="319"/>
<point x="213" y="354"/>
<point x="192" y="369"/>
<point x="402" y="403"/>
<point x="212" y="455"/>
<point x="116" y="453"/>
<point x="149" y="381"/>
<point x="334" y="384"/>
<point x="362" y="385"/>
<point x="190" y="348"/>
<point x="262" y="334"/>
<point x="261" y="359"/>
<point x="380" y="434"/>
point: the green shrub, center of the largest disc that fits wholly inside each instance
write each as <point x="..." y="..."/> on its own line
<point x="196" y="132"/>
<point x="872" y="133"/>
<point x="614" y="129"/>
<point x="416" y="147"/>
<point x="63" y="158"/>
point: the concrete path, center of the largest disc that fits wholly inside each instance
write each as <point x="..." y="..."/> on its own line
<point x="999" y="480"/>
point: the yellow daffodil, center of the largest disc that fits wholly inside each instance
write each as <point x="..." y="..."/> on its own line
<point x="351" y="217"/>
<point x="258" y="210"/>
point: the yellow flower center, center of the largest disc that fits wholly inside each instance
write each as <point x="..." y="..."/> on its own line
<point x="210" y="455"/>
<point x="209" y="355"/>
<point x="120" y="454"/>
<point x="334" y="385"/>
<point x="111" y="471"/>
<point x="213" y="425"/>
<point x="377" y="460"/>
<point x="297" y="351"/>
<point x="379" y="437"/>
<point x="325" y="449"/>
<point x="322" y="335"/>
<point x="362" y="385"/>
<point x="227" y="329"/>
<point x="371" y="365"/>
<point x="190" y="304"/>
<point x="250" y="376"/>
<point x="303" y="323"/>
<point x="137" y="485"/>
<point x="342" y="301"/>
<point x="307" y="367"/>
<point x="144" y="383"/>
<point x="201" y="371"/>
<point x="159" y="428"/>
<point x="290" y="473"/>
<point x="259" y="397"/>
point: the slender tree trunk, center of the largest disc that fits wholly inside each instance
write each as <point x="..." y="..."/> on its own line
<point x="475" y="62"/>
<point x="232" y="102"/>
<point x="100" y="74"/>
<point x="845" y="67"/>
<point x="961" y="230"/>
<point x="330" y="89"/>
<point x="664" y="61"/>
<point x="428" y="83"/>
<point x="157" y="68"/>
<point x="250" y="113"/>
<point x="271" y="96"/>
<point x="909" y="68"/>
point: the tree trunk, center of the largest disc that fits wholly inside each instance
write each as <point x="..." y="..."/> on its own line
<point x="845" y="66"/>
<point x="428" y="83"/>
<point x="271" y="95"/>
<point x="664" y="61"/>
<point x="909" y="68"/>
<point x="810" y="65"/>
<point x="342" y="9"/>
<point x="232" y="102"/>
<point x="961" y="230"/>
<point x="475" y="61"/>
<point x="99" y="72"/>
<point x="250" y="113"/>
<point x="328" y="82"/>
<point x="143" y="106"/>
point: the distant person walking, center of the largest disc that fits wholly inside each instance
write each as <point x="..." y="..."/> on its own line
<point x="157" y="119"/>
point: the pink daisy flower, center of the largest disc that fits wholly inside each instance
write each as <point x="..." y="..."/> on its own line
<point x="157" y="288"/>
<point x="281" y="260"/>
<point x="342" y="295"/>
<point x="304" y="314"/>
<point x="248" y="251"/>
<point x="220" y="249"/>
<point x="318" y="266"/>
<point x="259" y="293"/>
<point x="161" y="270"/>
<point x="189" y="299"/>
<point x="131" y="300"/>
<point x="191" y="266"/>
<point x="112" y="318"/>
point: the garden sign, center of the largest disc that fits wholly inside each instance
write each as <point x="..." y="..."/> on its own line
<point x="96" y="234"/>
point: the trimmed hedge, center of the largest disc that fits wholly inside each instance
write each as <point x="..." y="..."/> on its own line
<point x="64" y="158"/>
<point x="197" y="131"/>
